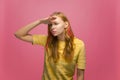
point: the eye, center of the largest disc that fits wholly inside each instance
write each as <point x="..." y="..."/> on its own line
<point x="50" y="25"/>
<point x="56" y="23"/>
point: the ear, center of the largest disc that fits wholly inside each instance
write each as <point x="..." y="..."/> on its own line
<point x="66" y="24"/>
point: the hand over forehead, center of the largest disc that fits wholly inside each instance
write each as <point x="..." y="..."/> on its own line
<point x="52" y="18"/>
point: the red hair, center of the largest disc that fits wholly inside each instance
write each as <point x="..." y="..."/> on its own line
<point x="52" y="41"/>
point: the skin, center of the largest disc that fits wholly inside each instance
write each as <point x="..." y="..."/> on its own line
<point x="57" y="25"/>
<point x="80" y="74"/>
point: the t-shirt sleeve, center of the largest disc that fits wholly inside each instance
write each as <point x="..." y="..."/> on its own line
<point x="39" y="39"/>
<point x="81" y="61"/>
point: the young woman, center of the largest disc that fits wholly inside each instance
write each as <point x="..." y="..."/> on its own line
<point x="63" y="51"/>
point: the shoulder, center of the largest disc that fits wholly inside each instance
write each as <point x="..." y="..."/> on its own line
<point x="39" y="35"/>
<point x="39" y="39"/>
<point x="78" y="42"/>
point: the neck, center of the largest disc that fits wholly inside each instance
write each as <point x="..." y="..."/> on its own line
<point x="61" y="37"/>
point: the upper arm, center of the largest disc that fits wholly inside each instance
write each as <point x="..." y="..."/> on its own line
<point x="27" y="38"/>
<point x="34" y="39"/>
<point x="39" y="39"/>
<point x="81" y="61"/>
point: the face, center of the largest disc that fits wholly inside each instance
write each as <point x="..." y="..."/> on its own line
<point x="57" y="26"/>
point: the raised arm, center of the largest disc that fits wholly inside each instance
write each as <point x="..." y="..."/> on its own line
<point x="23" y="33"/>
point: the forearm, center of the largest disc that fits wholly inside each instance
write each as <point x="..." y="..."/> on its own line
<point x="80" y="74"/>
<point x="80" y="77"/>
<point x="24" y="30"/>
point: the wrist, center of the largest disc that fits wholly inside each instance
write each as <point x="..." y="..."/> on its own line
<point x="40" y="21"/>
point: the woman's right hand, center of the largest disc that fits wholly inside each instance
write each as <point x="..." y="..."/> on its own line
<point x="45" y="20"/>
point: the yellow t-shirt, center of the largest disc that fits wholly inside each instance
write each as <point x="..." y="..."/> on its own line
<point x="62" y="70"/>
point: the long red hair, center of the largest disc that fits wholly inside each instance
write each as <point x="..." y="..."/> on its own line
<point x="52" y="41"/>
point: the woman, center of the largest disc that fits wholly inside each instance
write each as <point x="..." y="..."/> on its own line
<point x="63" y="51"/>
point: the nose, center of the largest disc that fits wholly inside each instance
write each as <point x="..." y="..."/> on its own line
<point x="52" y="27"/>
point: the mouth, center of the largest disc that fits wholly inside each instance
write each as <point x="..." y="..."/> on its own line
<point x="53" y="32"/>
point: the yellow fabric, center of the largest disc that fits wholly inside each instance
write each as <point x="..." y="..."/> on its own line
<point x="39" y="39"/>
<point x="62" y="70"/>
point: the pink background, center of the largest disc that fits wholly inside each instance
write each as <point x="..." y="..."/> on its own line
<point x="96" y="22"/>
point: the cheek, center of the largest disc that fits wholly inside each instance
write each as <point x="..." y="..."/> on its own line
<point x="61" y="27"/>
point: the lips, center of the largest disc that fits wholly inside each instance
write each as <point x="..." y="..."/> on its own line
<point x="53" y="31"/>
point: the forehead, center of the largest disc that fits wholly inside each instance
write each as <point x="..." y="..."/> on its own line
<point x="57" y="19"/>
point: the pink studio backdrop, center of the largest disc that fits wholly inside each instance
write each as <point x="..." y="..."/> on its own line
<point x="96" y="22"/>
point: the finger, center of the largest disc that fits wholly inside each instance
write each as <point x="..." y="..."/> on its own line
<point x="52" y="18"/>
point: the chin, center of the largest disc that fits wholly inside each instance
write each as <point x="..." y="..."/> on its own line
<point x="54" y="35"/>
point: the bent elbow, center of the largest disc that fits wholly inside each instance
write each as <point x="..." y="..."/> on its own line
<point x="17" y="35"/>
